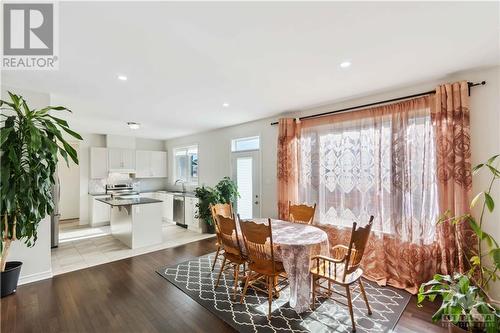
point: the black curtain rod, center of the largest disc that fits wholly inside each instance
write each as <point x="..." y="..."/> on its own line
<point x="470" y="84"/>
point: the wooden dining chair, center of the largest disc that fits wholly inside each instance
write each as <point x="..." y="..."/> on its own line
<point x="233" y="256"/>
<point x="225" y="210"/>
<point x="263" y="269"/>
<point x="343" y="267"/>
<point x="301" y="213"/>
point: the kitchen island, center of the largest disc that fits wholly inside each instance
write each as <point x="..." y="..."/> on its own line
<point x="136" y="222"/>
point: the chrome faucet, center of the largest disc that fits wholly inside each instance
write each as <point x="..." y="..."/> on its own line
<point x="182" y="181"/>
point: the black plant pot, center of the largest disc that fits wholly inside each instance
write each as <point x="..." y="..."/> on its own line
<point x="10" y="277"/>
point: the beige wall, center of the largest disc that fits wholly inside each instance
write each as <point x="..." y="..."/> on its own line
<point x="214" y="146"/>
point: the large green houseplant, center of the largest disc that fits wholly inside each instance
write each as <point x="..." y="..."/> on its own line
<point x="225" y="191"/>
<point x="464" y="299"/>
<point x="30" y="143"/>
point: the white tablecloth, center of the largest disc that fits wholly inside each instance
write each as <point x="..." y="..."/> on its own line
<point x="294" y="244"/>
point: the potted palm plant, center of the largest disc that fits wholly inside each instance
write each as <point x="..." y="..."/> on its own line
<point x="465" y="303"/>
<point x="225" y="191"/>
<point x="30" y="142"/>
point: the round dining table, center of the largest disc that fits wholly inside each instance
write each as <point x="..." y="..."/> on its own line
<point x="294" y="243"/>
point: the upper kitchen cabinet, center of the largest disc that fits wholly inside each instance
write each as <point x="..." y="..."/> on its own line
<point x="98" y="162"/>
<point x="151" y="164"/>
<point x="159" y="163"/>
<point x="121" y="160"/>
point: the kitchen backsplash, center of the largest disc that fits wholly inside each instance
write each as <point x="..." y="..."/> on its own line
<point x="140" y="184"/>
<point x="97" y="186"/>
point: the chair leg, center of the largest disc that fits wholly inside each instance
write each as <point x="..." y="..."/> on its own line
<point x="216" y="256"/>
<point x="364" y="296"/>
<point x="313" y="304"/>
<point x="349" y="302"/>
<point x="276" y="282"/>
<point x="220" y="273"/>
<point x="236" y="273"/>
<point x="270" y="287"/>
<point x="247" y="280"/>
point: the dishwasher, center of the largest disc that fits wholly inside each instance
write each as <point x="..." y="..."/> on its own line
<point x="179" y="217"/>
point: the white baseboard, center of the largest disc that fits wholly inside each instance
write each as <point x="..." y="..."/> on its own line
<point x="35" y="277"/>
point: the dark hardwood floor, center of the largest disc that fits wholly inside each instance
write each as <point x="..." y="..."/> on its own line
<point x="129" y="296"/>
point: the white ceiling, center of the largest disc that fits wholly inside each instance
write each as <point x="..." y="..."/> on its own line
<point x="184" y="60"/>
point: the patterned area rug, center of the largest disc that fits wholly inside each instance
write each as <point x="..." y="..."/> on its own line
<point x="195" y="278"/>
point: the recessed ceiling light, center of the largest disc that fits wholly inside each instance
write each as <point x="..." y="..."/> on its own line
<point x="122" y="77"/>
<point x="133" y="125"/>
<point x="225" y="105"/>
<point x="345" y="64"/>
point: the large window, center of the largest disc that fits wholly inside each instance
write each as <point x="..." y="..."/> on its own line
<point x="186" y="164"/>
<point x="383" y="166"/>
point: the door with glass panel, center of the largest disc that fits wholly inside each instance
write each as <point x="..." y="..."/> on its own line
<point x="246" y="173"/>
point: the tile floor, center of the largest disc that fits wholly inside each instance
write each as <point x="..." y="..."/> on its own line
<point x="85" y="247"/>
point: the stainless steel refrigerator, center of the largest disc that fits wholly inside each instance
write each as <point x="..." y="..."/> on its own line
<point x="54" y="218"/>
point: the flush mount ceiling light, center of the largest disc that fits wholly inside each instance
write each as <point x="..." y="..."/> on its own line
<point x="225" y="105"/>
<point x="133" y="125"/>
<point x="122" y="78"/>
<point x="345" y="64"/>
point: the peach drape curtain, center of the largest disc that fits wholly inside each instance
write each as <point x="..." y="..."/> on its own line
<point x="405" y="256"/>
<point x="289" y="131"/>
<point x="450" y="117"/>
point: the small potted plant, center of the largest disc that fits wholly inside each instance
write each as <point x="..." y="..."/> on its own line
<point x="30" y="143"/>
<point x="465" y="304"/>
<point x="225" y="191"/>
<point x="206" y="196"/>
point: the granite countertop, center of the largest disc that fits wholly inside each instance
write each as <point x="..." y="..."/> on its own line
<point x="128" y="201"/>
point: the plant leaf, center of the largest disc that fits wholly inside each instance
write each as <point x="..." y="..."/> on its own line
<point x="492" y="159"/>
<point x="495" y="254"/>
<point x="494" y="171"/>
<point x="489" y="201"/>
<point x="72" y="133"/>
<point x="476" y="198"/>
<point x="477" y="168"/>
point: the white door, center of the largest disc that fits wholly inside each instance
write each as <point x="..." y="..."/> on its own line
<point x="246" y="173"/>
<point x="69" y="179"/>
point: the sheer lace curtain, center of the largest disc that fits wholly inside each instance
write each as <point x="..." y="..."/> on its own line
<point x="382" y="162"/>
<point x="405" y="163"/>
<point x="379" y="162"/>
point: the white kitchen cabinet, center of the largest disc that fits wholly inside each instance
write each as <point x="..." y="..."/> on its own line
<point x="121" y="160"/>
<point x="98" y="162"/>
<point x="159" y="164"/>
<point x="151" y="164"/>
<point x="190" y="211"/>
<point x="143" y="164"/>
<point x="100" y="213"/>
<point x="168" y="205"/>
